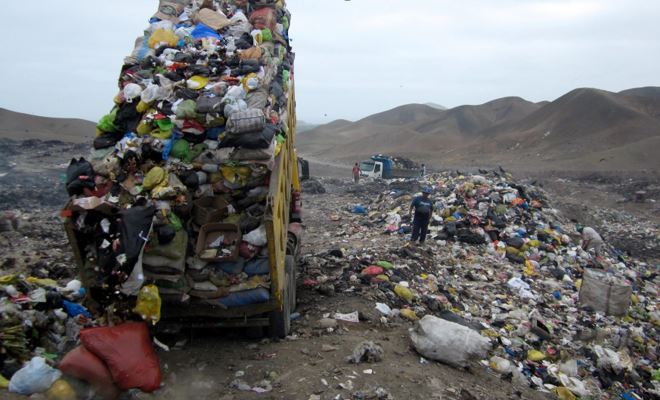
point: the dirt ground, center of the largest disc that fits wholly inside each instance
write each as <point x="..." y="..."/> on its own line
<point x="311" y="363"/>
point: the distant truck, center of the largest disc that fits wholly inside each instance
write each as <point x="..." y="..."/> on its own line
<point x="387" y="167"/>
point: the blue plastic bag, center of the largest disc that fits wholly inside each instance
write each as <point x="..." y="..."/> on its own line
<point x="246" y="297"/>
<point x="75" y="309"/>
<point x="257" y="266"/>
<point x="359" y="209"/>
<point x="35" y="377"/>
<point x="202" y="31"/>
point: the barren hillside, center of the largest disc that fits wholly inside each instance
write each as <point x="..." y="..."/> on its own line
<point x="15" y="125"/>
<point x="586" y="129"/>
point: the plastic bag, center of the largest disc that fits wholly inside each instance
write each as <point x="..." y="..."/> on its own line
<point x="75" y="309"/>
<point x="257" y="237"/>
<point x="233" y="106"/>
<point x="202" y="31"/>
<point x="245" y="297"/>
<point x="131" y="92"/>
<point x="180" y="149"/>
<point x="448" y="342"/>
<point x="148" y="304"/>
<point x="186" y="109"/>
<point x="151" y="93"/>
<point x="197" y="82"/>
<point x="4" y="383"/>
<point x="107" y="122"/>
<point x="127" y="351"/>
<point x="154" y="178"/>
<point x="239" y="24"/>
<point x="35" y="377"/>
<point x="162" y="37"/>
<point x="61" y="390"/>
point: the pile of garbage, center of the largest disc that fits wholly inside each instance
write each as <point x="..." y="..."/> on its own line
<point x="175" y="190"/>
<point x="169" y="207"/>
<point x="500" y="262"/>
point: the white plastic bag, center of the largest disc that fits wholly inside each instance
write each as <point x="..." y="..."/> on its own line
<point x="151" y="93"/>
<point x="448" y="342"/>
<point x="257" y="237"/>
<point x="233" y="105"/>
<point x="35" y="377"/>
<point x="132" y="91"/>
<point x="239" y="24"/>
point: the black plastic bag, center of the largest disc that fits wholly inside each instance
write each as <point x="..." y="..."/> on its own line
<point x="128" y="117"/>
<point x="251" y="140"/>
<point x="134" y="233"/>
<point x="106" y="140"/>
<point x="79" y="176"/>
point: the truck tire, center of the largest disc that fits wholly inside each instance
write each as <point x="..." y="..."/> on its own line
<point x="280" y="320"/>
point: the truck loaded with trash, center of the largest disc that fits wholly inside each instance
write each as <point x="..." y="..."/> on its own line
<point x="389" y="167"/>
<point x="189" y="194"/>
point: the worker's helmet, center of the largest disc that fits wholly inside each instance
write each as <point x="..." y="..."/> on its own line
<point x="427" y="189"/>
<point x="579" y="227"/>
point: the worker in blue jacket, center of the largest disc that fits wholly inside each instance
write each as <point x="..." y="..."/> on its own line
<point x="423" y="207"/>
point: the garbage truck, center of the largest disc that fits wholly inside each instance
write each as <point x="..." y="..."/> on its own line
<point x="388" y="167"/>
<point x="189" y="204"/>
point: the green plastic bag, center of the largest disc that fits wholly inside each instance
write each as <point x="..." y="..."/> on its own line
<point x="107" y="122"/>
<point x="266" y="35"/>
<point x="385" y="264"/>
<point x="187" y="109"/>
<point x="196" y="151"/>
<point x="181" y="150"/>
<point x="175" y="221"/>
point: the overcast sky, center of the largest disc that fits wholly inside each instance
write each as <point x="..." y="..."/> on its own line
<point x="354" y="58"/>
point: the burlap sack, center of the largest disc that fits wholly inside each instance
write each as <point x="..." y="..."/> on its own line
<point x="170" y="9"/>
<point x="211" y="18"/>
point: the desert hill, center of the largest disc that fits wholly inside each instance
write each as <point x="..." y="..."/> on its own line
<point x="15" y="125"/>
<point x="585" y="129"/>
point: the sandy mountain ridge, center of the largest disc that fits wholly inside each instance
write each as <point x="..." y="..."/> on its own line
<point x="15" y="125"/>
<point x="588" y="129"/>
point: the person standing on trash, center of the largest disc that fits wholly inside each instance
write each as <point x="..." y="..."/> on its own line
<point x="423" y="170"/>
<point x="590" y="239"/>
<point x="356" y="173"/>
<point x="423" y="208"/>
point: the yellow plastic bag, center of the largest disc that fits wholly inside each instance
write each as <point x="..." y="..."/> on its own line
<point x="4" y="383"/>
<point x="409" y="314"/>
<point x="7" y="279"/>
<point x="41" y="282"/>
<point x="404" y="293"/>
<point x="529" y="269"/>
<point x="535" y="355"/>
<point x="144" y="128"/>
<point x="154" y="178"/>
<point x="236" y="175"/>
<point x="197" y="82"/>
<point x="564" y="394"/>
<point x="142" y="107"/>
<point x="163" y="36"/>
<point x="148" y="304"/>
<point x="61" y="390"/>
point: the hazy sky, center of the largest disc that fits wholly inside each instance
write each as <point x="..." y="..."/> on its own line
<point x="354" y="58"/>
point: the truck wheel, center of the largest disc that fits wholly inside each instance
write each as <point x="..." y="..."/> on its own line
<point x="280" y="320"/>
